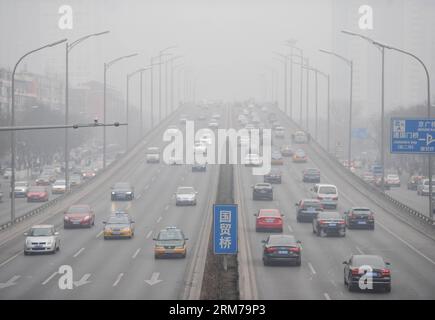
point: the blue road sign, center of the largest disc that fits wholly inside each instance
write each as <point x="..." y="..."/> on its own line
<point x="412" y="136"/>
<point x="225" y="228"/>
<point x="360" y="133"/>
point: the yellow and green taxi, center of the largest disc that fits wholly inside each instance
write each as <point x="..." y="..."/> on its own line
<point x="119" y="225"/>
<point x="170" y="242"/>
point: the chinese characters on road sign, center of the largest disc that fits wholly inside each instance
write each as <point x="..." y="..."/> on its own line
<point x="225" y="228"/>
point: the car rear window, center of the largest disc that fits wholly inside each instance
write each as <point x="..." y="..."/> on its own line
<point x="170" y="235"/>
<point x="269" y="213"/>
<point x="373" y="261"/>
<point x="311" y="204"/>
<point x="329" y="215"/>
<point x="37" y="189"/>
<point x="78" y="209"/>
<point x="327" y="190"/>
<point x="282" y="241"/>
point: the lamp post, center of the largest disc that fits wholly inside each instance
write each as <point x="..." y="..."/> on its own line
<point x="107" y="65"/>
<point x="161" y="54"/>
<point x="350" y="64"/>
<point x="13" y="122"/>
<point x="171" y="61"/>
<point x="285" y="57"/>
<point x="172" y="84"/>
<point x="68" y="48"/>
<point x="382" y="48"/>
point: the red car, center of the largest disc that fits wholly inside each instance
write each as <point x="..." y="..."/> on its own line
<point x="43" y="181"/>
<point x="79" y="215"/>
<point x="269" y="220"/>
<point x="37" y="193"/>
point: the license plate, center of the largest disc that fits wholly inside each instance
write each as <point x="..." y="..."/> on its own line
<point x="270" y="220"/>
<point x="282" y="252"/>
<point x="361" y="222"/>
<point x="76" y="222"/>
<point x="372" y="274"/>
<point x="116" y="232"/>
<point x="332" y="224"/>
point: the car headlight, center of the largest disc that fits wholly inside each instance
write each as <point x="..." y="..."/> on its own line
<point x="113" y="192"/>
<point x="87" y="218"/>
<point x="49" y="243"/>
<point x="66" y="218"/>
<point x="129" y="192"/>
<point x="28" y="242"/>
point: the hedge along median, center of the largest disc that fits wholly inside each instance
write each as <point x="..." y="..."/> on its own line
<point x="218" y="284"/>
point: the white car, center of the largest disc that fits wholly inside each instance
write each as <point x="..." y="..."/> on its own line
<point x="153" y="155"/>
<point x="300" y="137"/>
<point x="185" y="196"/>
<point x="252" y="159"/>
<point x="42" y="238"/>
<point x="393" y="180"/>
<point x="59" y="186"/>
<point x="21" y="188"/>
<point x="327" y="194"/>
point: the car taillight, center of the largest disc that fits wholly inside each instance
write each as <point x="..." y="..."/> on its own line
<point x="386" y="272"/>
<point x="296" y="249"/>
<point x="319" y="198"/>
<point x="355" y="271"/>
<point x="335" y="198"/>
<point x="371" y="217"/>
<point x="341" y="222"/>
<point x="270" y="250"/>
<point x="323" y="221"/>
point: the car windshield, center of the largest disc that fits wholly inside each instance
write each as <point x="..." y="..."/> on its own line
<point x="20" y="184"/>
<point x="300" y="153"/>
<point x="361" y="210"/>
<point x="185" y="190"/>
<point x="118" y="220"/>
<point x="59" y="183"/>
<point x="373" y="261"/>
<point x="170" y="235"/>
<point x="312" y="171"/>
<point x="327" y="190"/>
<point x="282" y="241"/>
<point x="41" y="232"/>
<point x="262" y="185"/>
<point x="78" y="209"/>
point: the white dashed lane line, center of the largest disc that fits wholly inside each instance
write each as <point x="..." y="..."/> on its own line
<point x="49" y="278"/>
<point x="9" y="260"/>
<point x="78" y="252"/>
<point x="159" y="219"/>
<point x="149" y="234"/>
<point x="118" y="279"/>
<point x="311" y="268"/>
<point x="136" y="253"/>
<point x="327" y="297"/>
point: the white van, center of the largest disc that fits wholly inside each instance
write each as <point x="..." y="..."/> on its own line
<point x="327" y="194"/>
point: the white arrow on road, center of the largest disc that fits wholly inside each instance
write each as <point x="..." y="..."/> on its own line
<point x="10" y="282"/>
<point x="83" y="280"/>
<point x="154" y="279"/>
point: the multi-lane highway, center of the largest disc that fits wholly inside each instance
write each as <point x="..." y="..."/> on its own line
<point x="127" y="269"/>
<point x="119" y="269"/>
<point x="410" y="253"/>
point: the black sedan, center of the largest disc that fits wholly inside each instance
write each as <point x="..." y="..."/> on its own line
<point x="367" y="272"/>
<point x="327" y="223"/>
<point x="262" y="191"/>
<point x="122" y="191"/>
<point x="307" y="210"/>
<point x="274" y="176"/>
<point x="311" y="175"/>
<point x="358" y="217"/>
<point x="281" y="249"/>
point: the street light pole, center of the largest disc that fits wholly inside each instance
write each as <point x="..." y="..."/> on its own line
<point x="107" y="65"/>
<point x="292" y="44"/>
<point x="350" y="64"/>
<point x="68" y="48"/>
<point x="13" y="122"/>
<point x="161" y="53"/>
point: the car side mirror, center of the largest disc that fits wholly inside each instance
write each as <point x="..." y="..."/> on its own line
<point x="104" y="222"/>
<point x="299" y="241"/>
<point x="282" y="215"/>
<point x="388" y="263"/>
<point x="186" y="239"/>
<point x="344" y="262"/>
<point x="263" y="241"/>
<point x="346" y="212"/>
<point x="296" y="204"/>
<point x="155" y="239"/>
<point x="255" y="214"/>
<point x="132" y="221"/>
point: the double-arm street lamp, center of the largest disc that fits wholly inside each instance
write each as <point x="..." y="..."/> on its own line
<point x="107" y="65"/>
<point x="350" y="64"/>
<point x="292" y="44"/>
<point x="161" y="54"/>
<point x="382" y="48"/>
<point x="13" y="122"/>
<point x="68" y="48"/>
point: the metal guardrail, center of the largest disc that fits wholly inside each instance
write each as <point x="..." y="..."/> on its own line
<point x="366" y="185"/>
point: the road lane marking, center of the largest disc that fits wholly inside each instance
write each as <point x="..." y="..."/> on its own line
<point x="118" y="279"/>
<point x="406" y="243"/>
<point x="290" y="228"/>
<point x="138" y="196"/>
<point x="327" y="297"/>
<point x="9" y="260"/>
<point x="78" y="252"/>
<point x="311" y="268"/>
<point x="11" y="282"/>
<point x="149" y="234"/>
<point x="49" y="278"/>
<point x="167" y="207"/>
<point x="99" y="234"/>
<point x="136" y="253"/>
<point x="359" y="250"/>
<point x="159" y="219"/>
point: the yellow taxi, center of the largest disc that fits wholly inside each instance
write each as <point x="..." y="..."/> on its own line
<point x="170" y="242"/>
<point x="119" y="225"/>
